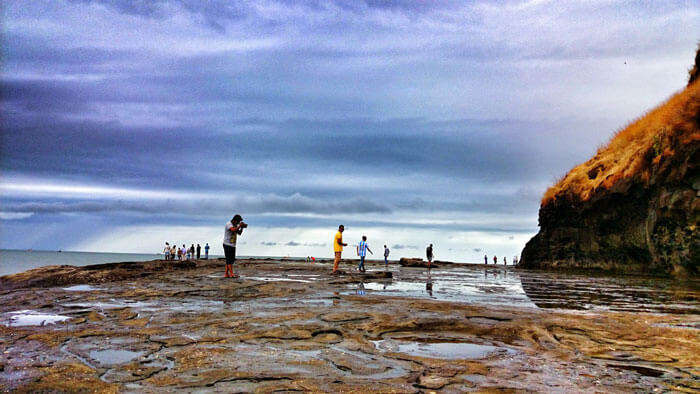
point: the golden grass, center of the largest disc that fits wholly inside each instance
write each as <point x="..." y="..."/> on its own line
<point x="636" y="151"/>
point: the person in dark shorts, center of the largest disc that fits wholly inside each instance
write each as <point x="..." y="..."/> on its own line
<point x="429" y="254"/>
<point x="233" y="229"/>
<point x="199" y="250"/>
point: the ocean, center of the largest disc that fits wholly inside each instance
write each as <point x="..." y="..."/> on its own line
<point x="14" y="261"/>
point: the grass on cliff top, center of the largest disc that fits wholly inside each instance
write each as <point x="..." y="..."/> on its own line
<point x="636" y="150"/>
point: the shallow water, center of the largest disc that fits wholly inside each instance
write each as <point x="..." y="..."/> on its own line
<point x="114" y="356"/>
<point x="442" y="350"/>
<point x="498" y="286"/>
<point x="80" y="288"/>
<point x="30" y="318"/>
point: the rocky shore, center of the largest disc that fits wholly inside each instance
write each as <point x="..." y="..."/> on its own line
<point x="292" y="326"/>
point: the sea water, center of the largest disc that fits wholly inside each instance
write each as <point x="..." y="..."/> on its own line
<point x="14" y="261"/>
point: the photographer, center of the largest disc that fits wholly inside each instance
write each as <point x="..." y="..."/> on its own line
<point x="234" y="228"/>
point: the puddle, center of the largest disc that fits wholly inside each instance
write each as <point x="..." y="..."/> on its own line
<point x="317" y="301"/>
<point x="441" y="350"/>
<point x="30" y="318"/>
<point x="278" y="279"/>
<point x="81" y="288"/>
<point x="114" y="356"/>
<point x="113" y="304"/>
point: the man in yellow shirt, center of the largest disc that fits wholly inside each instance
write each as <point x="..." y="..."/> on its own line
<point x="338" y="247"/>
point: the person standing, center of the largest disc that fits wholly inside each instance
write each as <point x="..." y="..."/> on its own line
<point x="504" y="261"/>
<point x="206" y="251"/>
<point x="386" y="257"/>
<point x="486" y="260"/>
<point x="184" y="253"/>
<point x="166" y="251"/>
<point x="233" y="229"/>
<point x="338" y="247"/>
<point x="362" y="249"/>
<point x="192" y="251"/>
<point x="495" y="260"/>
<point x="429" y="254"/>
<point x="199" y="250"/>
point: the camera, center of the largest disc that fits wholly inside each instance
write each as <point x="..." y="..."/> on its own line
<point x="243" y="225"/>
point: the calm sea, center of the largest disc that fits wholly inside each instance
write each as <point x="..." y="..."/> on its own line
<point x="14" y="261"/>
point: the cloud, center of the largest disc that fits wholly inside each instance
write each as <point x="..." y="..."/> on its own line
<point x="180" y="111"/>
<point x="15" y="215"/>
<point x="477" y="250"/>
<point x="194" y="205"/>
<point x="292" y="243"/>
<point x="400" y="246"/>
<point x="267" y="243"/>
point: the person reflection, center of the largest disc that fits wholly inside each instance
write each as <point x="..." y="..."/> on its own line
<point x="360" y="289"/>
<point x="429" y="285"/>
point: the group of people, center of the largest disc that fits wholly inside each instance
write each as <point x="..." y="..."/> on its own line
<point x="235" y="227"/>
<point x="361" y="248"/>
<point x="184" y="253"/>
<point x="495" y="260"/>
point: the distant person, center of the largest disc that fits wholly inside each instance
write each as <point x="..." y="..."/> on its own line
<point x="515" y="260"/>
<point x="166" y="251"/>
<point x="504" y="261"/>
<point x="233" y="229"/>
<point x="206" y="251"/>
<point x="173" y="252"/>
<point x="199" y="250"/>
<point x="386" y="257"/>
<point x="338" y="247"/>
<point x="184" y="252"/>
<point x="429" y="254"/>
<point x="495" y="260"/>
<point x="486" y="260"/>
<point x="362" y="249"/>
<point x="192" y="251"/>
<point x="187" y="251"/>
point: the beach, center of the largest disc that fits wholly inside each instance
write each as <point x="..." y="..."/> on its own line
<point x="292" y="326"/>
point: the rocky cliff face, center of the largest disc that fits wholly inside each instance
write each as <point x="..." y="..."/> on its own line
<point x="634" y="207"/>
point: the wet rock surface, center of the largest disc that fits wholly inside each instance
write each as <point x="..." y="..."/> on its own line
<point x="292" y="326"/>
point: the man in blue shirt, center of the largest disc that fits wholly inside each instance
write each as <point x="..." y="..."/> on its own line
<point x="362" y="249"/>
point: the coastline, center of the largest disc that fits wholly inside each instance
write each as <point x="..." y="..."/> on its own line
<point x="292" y="326"/>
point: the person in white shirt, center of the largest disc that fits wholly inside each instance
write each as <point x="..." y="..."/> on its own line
<point x="166" y="251"/>
<point x="233" y="229"/>
<point x="362" y="249"/>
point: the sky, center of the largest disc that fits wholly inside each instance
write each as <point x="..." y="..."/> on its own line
<point x="125" y="124"/>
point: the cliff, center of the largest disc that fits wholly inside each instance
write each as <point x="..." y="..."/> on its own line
<point x="634" y="206"/>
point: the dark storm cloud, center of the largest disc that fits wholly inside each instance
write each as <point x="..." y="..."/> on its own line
<point x="211" y="207"/>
